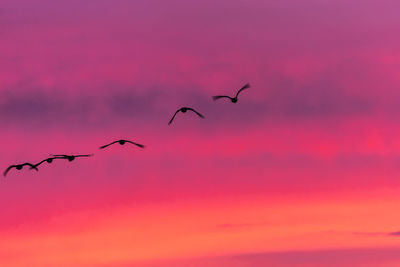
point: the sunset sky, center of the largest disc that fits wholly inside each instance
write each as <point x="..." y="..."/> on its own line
<point x="303" y="171"/>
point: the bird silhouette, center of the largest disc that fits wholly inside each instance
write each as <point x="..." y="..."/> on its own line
<point x="48" y="160"/>
<point x="122" y="142"/>
<point x="183" y="110"/>
<point x="19" y="167"/>
<point x="233" y="99"/>
<point x="71" y="157"/>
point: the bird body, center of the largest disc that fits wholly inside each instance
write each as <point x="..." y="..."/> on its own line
<point x="122" y="142"/>
<point x="235" y="98"/>
<point x="19" y="167"/>
<point x="183" y="110"/>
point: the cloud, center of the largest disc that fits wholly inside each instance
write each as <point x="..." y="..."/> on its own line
<point x="378" y="233"/>
<point x="284" y="100"/>
<point x="394" y="233"/>
<point x="34" y="107"/>
<point x="321" y="97"/>
<point x="130" y="103"/>
<point x="367" y="257"/>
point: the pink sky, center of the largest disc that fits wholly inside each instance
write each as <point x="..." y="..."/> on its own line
<point x="302" y="171"/>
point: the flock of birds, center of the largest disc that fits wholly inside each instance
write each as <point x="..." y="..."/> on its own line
<point x="122" y="141"/>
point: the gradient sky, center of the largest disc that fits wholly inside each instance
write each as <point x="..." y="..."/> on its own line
<point x="303" y="171"/>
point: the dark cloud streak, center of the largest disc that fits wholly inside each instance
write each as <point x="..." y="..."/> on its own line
<point x="378" y="233"/>
<point x="124" y="105"/>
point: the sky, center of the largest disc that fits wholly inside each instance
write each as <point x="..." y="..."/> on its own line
<point x="304" y="170"/>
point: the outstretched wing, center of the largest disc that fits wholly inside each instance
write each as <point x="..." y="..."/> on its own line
<point x="139" y="145"/>
<point x="247" y="85"/>
<point x="108" y="145"/>
<point x="173" y="117"/>
<point x="66" y="156"/>
<point x="201" y="116"/>
<point x="37" y="164"/>
<point x="87" y="155"/>
<point x="221" y="96"/>
<point x="8" y="169"/>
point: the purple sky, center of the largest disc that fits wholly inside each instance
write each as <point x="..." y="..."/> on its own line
<point x="319" y="125"/>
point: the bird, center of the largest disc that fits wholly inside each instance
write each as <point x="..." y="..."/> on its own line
<point x="183" y="110"/>
<point x="122" y="142"/>
<point x="48" y="160"/>
<point x="19" y="167"/>
<point x="71" y="157"/>
<point x="233" y="99"/>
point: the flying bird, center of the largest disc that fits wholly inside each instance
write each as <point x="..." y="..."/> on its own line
<point x="48" y="160"/>
<point x="19" y="167"/>
<point x="71" y="157"/>
<point x="183" y="110"/>
<point x="122" y="142"/>
<point x="233" y="99"/>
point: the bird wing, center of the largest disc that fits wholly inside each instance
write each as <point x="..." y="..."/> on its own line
<point x="201" y="116"/>
<point x="173" y="117"/>
<point x="87" y="155"/>
<point x="37" y="164"/>
<point x="247" y="85"/>
<point x="66" y="156"/>
<point x="220" y="96"/>
<point x="8" y="169"/>
<point x="108" y="144"/>
<point x="139" y="145"/>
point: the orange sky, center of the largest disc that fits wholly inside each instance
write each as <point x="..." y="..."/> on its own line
<point x="302" y="171"/>
<point x="195" y="229"/>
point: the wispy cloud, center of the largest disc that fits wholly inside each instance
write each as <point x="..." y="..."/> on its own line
<point x="394" y="233"/>
<point x="369" y="257"/>
<point x="397" y="233"/>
